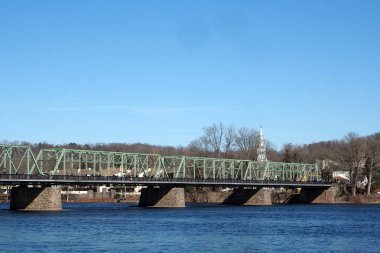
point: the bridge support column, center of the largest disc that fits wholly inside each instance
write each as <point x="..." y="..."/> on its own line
<point x="318" y="196"/>
<point x="250" y="197"/>
<point x="162" y="197"/>
<point x="36" y="199"/>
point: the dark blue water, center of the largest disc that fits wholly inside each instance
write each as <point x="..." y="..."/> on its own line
<point x="122" y="227"/>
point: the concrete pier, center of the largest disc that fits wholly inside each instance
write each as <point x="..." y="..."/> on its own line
<point x="250" y="197"/>
<point x="36" y="199"/>
<point x="162" y="197"/>
<point x="318" y="196"/>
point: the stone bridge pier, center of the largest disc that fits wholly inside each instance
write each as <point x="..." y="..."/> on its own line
<point x="318" y="196"/>
<point x="162" y="197"/>
<point x="250" y="197"/>
<point x="43" y="198"/>
<point x="305" y="195"/>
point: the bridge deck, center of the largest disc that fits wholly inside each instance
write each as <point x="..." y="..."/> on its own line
<point x="24" y="179"/>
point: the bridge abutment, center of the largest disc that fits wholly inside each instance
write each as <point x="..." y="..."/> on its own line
<point x="249" y="197"/>
<point x="162" y="197"/>
<point x="36" y="199"/>
<point x="318" y="196"/>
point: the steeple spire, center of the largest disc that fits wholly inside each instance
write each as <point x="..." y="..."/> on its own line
<point x="261" y="150"/>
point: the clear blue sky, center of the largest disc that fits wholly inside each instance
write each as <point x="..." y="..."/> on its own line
<point x="159" y="71"/>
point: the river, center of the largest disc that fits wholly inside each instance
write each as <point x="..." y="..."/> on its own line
<point x="120" y="227"/>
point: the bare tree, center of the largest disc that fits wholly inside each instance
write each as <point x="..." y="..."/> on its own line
<point x="214" y="136"/>
<point x="373" y="160"/>
<point x="199" y="147"/>
<point x="247" y="141"/>
<point x="287" y="153"/>
<point x="353" y="153"/>
<point x="229" y="140"/>
<point x="272" y="154"/>
<point x="217" y="140"/>
<point x="220" y="138"/>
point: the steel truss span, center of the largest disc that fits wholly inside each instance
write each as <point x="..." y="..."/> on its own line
<point x="18" y="160"/>
<point x="73" y="162"/>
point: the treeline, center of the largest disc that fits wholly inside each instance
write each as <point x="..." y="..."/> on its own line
<point x="360" y="156"/>
<point x="115" y="147"/>
<point x="217" y="140"/>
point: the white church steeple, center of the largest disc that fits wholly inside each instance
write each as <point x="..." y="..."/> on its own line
<point x="261" y="150"/>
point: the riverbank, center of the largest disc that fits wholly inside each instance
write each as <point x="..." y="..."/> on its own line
<point x="359" y="199"/>
<point x="199" y="196"/>
<point x="215" y="197"/>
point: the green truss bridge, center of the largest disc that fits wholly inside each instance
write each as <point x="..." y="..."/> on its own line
<point x="19" y="165"/>
<point x="88" y="165"/>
